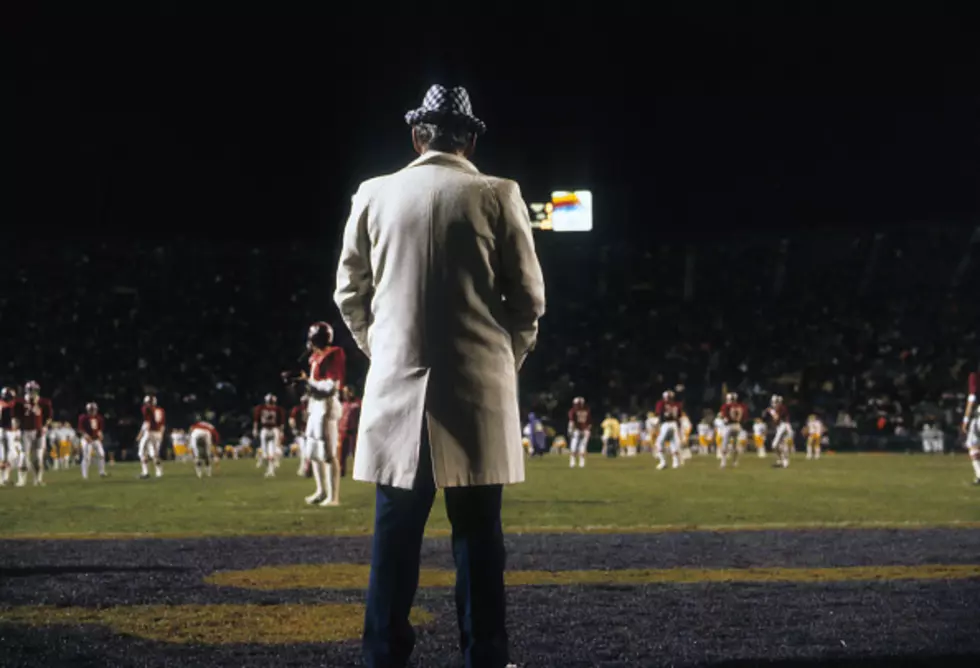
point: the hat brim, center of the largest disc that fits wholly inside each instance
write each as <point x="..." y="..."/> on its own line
<point x="441" y="117"/>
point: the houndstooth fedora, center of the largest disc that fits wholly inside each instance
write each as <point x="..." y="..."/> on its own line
<point x="441" y="104"/>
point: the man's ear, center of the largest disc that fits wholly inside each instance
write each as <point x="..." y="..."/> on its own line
<point x="416" y="144"/>
<point x="470" y="147"/>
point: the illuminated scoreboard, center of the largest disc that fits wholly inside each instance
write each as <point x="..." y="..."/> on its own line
<point x="568" y="211"/>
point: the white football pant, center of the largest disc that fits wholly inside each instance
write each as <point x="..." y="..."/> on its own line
<point x="150" y="445"/>
<point x="201" y="449"/>
<point x="580" y="441"/>
<point x="321" y="446"/>
<point x="780" y="442"/>
<point x="88" y="449"/>
<point x="729" y="440"/>
<point x="32" y="454"/>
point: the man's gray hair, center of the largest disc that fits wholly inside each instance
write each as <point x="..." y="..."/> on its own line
<point x="450" y="138"/>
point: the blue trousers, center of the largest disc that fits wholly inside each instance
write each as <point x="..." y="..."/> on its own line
<point x="478" y="551"/>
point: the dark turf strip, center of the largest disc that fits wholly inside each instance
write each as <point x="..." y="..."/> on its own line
<point x="936" y="623"/>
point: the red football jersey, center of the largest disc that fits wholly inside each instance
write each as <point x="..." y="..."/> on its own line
<point x="778" y="414"/>
<point x="33" y="415"/>
<point x="581" y="418"/>
<point x="734" y="412"/>
<point x="298" y="414"/>
<point x="668" y="411"/>
<point x="331" y="364"/>
<point x="91" y="425"/>
<point x="269" y="416"/>
<point x="7" y="414"/>
<point x="208" y="427"/>
<point x="155" y="417"/>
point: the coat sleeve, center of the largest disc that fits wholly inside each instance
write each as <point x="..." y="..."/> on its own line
<point x="522" y="282"/>
<point x="355" y="278"/>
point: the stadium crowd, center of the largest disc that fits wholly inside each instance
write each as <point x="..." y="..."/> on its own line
<point x="876" y="333"/>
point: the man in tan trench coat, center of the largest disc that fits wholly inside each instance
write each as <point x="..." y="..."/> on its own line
<point x="441" y="288"/>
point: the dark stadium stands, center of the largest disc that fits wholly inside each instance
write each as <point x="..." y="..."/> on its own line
<point x="882" y="328"/>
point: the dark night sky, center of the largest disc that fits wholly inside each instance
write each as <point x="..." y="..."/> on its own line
<point x="184" y="127"/>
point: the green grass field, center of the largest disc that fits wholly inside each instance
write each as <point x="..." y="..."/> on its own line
<point x="608" y="495"/>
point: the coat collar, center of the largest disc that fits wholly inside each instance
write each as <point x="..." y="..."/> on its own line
<point x="445" y="160"/>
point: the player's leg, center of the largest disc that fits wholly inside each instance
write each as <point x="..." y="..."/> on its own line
<point x="303" y="462"/>
<point x="198" y="452"/>
<point x="674" y="434"/>
<point x="975" y="460"/>
<point x="781" y="445"/>
<point x="157" y="463"/>
<point x="265" y="447"/>
<point x="39" y="443"/>
<point x="86" y="456"/>
<point x="144" y="452"/>
<point x="723" y="451"/>
<point x="209" y="451"/>
<point x="816" y="447"/>
<point x="973" y="447"/>
<point x="572" y="448"/>
<point x="99" y="451"/>
<point x="4" y="467"/>
<point x="583" y="446"/>
<point x="316" y="453"/>
<point x="18" y="457"/>
<point x="658" y="447"/>
<point x="332" y="463"/>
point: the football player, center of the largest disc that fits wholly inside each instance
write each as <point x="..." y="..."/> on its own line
<point x="180" y="440"/>
<point x="782" y="441"/>
<point x="32" y="417"/>
<point x="973" y="441"/>
<point x="323" y="385"/>
<point x="733" y="413"/>
<point x="8" y="456"/>
<point x="268" y="420"/>
<point x="91" y="428"/>
<point x="579" y="431"/>
<point x="610" y="435"/>
<point x="706" y="435"/>
<point x="814" y="431"/>
<point x="204" y="440"/>
<point x="668" y="412"/>
<point x="150" y="437"/>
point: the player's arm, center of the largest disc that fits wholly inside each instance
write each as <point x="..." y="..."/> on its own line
<point x="319" y="388"/>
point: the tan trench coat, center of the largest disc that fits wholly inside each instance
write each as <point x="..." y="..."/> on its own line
<point x="441" y="288"/>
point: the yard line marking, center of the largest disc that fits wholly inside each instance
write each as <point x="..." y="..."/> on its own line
<point x="355" y="576"/>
